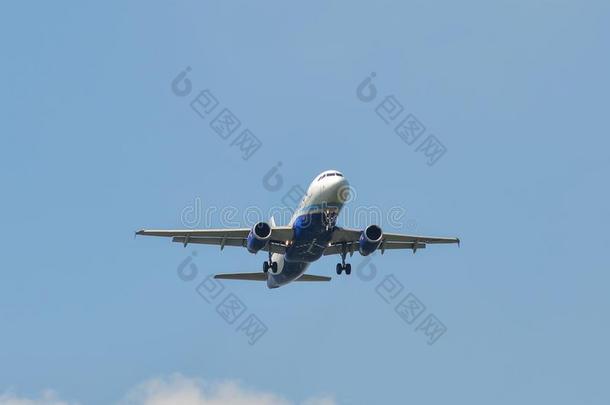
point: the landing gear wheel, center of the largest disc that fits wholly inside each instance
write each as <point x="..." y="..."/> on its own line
<point x="270" y="264"/>
<point x="344" y="266"/>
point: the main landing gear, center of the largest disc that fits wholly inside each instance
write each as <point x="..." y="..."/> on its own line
<point x="347" y="267"/>
<point x="270" y="264"/>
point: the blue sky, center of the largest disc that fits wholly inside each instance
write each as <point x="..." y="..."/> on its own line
<point x="95" y="145"/>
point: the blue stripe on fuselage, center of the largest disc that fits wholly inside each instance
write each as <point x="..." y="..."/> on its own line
<point x="308" y="244"/>
<point x="310" y="238"/>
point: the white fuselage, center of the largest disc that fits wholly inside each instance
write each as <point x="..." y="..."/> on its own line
<point x="312" y="223"/>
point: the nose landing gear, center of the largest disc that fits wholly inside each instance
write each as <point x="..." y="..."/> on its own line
<point x="329" y="219"/>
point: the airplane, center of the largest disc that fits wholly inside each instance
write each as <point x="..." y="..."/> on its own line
<point x="311" y="234"/>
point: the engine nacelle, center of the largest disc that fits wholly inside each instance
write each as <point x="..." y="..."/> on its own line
<point x="258" y="237"/>
<point x="370" y="239"/>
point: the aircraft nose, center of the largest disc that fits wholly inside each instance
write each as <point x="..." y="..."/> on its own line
<point x="339" y="189"/>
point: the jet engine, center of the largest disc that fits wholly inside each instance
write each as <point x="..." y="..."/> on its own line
<point x="258" y="237"/>
<point x="370" y="239"/>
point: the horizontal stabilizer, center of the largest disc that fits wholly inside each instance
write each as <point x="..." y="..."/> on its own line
<point x="263" y="277"/>
<point x="243" y="276"/>
<point x="311" y="277"/>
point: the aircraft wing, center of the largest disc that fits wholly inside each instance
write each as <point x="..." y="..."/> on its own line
<point x="223" y="237"/>
<point x="344" y="238"/>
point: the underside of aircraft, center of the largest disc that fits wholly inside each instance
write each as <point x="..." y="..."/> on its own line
<point x="311" y="234"/>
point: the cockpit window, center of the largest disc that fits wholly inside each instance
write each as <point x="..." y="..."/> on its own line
<point x="329" y="174"/>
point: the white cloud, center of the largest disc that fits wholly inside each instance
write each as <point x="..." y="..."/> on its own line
<point x="190" y="391"/>
<point x="320" y="401"/>
<point x="47" y="398"/>
<point x="178" y="389"/>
